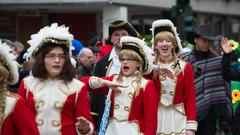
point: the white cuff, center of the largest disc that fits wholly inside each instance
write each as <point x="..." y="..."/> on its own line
<point x="192" y="125"/>
<point x="95" y="82"/>
<point x="156" y="68"/>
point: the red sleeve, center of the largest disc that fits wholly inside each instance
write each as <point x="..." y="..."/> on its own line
<point x="150" y="102"/>
<point x="149" y="76"/>
<point x="82" y="106"/>
<point x="189" y="93"/>
<point x="29" y="99"/>
<point x="24" y="119"/>
<point x="105" y="50"/>
<point x="21" y="90"/>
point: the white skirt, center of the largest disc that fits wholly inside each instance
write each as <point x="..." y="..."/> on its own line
<point x="171" y="121"/>
<point x="122" y="128"/>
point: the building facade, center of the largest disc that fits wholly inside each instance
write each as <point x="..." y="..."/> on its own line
<point x="86" y="18"/>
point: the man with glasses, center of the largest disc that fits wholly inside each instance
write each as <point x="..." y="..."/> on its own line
<point x="212" y="102"/>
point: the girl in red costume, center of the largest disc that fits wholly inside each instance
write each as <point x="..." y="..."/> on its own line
<point x="59" y="101"/>
<point x="134" y="108"/>
<point x="174" y="81"/>
<point x="15" y="116"/>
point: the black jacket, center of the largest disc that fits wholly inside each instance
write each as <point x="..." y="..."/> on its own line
<point x="98" y="100"/>
<point x="236" y="122"/>
<point x="229" y="72"/>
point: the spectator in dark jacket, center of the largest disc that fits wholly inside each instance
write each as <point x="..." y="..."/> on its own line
<point x="85" y="63"/>
<point x="232" y="73"/>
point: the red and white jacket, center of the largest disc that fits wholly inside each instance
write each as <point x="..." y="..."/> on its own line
<point x="183" y="95"/>
<point x="141" y="109"/>
<point x="18" y="119"/>
<point x="56" y="105"/>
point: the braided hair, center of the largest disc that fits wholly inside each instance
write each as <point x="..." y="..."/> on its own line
<point x="138" y="73"/>
<point x="4" y="75"/>
<point x="169" y="36"/>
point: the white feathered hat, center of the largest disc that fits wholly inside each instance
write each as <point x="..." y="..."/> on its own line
<point x="165" y="25"/>
<point x="141" y="48"/>
<point x="54" y="34"/>
<point x="8" y="60"/>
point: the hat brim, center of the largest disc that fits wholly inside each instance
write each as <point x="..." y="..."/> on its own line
<point x="192" y="35"/>
<point x="122" y="24"/>
<point x="166" y="25"/>
<point x="141" y="48"/>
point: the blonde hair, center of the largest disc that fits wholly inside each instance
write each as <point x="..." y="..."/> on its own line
<point x="165" y="35"/>
<point x="4" y="74"/>
<point x="133" y="55"/>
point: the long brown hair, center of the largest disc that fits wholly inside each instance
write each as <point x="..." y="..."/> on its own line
<point x="39" y="70"/>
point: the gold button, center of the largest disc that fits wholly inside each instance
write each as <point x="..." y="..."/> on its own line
<point x="130" y="94"/>
<point x="172" y="93"/>
<point x="55" y="123"/>
<point x="174" y="80"/>
<point x="162" y="78"/>
<point x="116" y="106"/>
<point x="94" y="114"/>
<point x="117" y="93"/>
<point x="163" y="91"/>
<point x="58" y="105"/>
<point x="39" y="104"/>
<point x="39" y="122"/>
<point x="126" y="108"/>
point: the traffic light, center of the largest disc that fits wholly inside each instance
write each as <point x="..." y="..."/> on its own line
<point x="182" y="4"/>
<point x="175" y="11"/>
<point x="180" y="7"/>
<point x="188" y="23"/>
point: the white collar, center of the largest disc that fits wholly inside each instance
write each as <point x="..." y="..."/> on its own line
<point x="113" y="54"/>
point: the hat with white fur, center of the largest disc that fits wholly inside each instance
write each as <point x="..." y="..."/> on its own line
<point x="141" y="48"/>
<point x="50" y="34"/>
<point x="165" y="25"/>
<point x="8" y="60"/>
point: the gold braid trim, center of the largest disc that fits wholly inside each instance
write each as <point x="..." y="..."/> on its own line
<point x="118" y="25"/>
<point x="138" y="80"/>
<point x="54" y="41"/>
